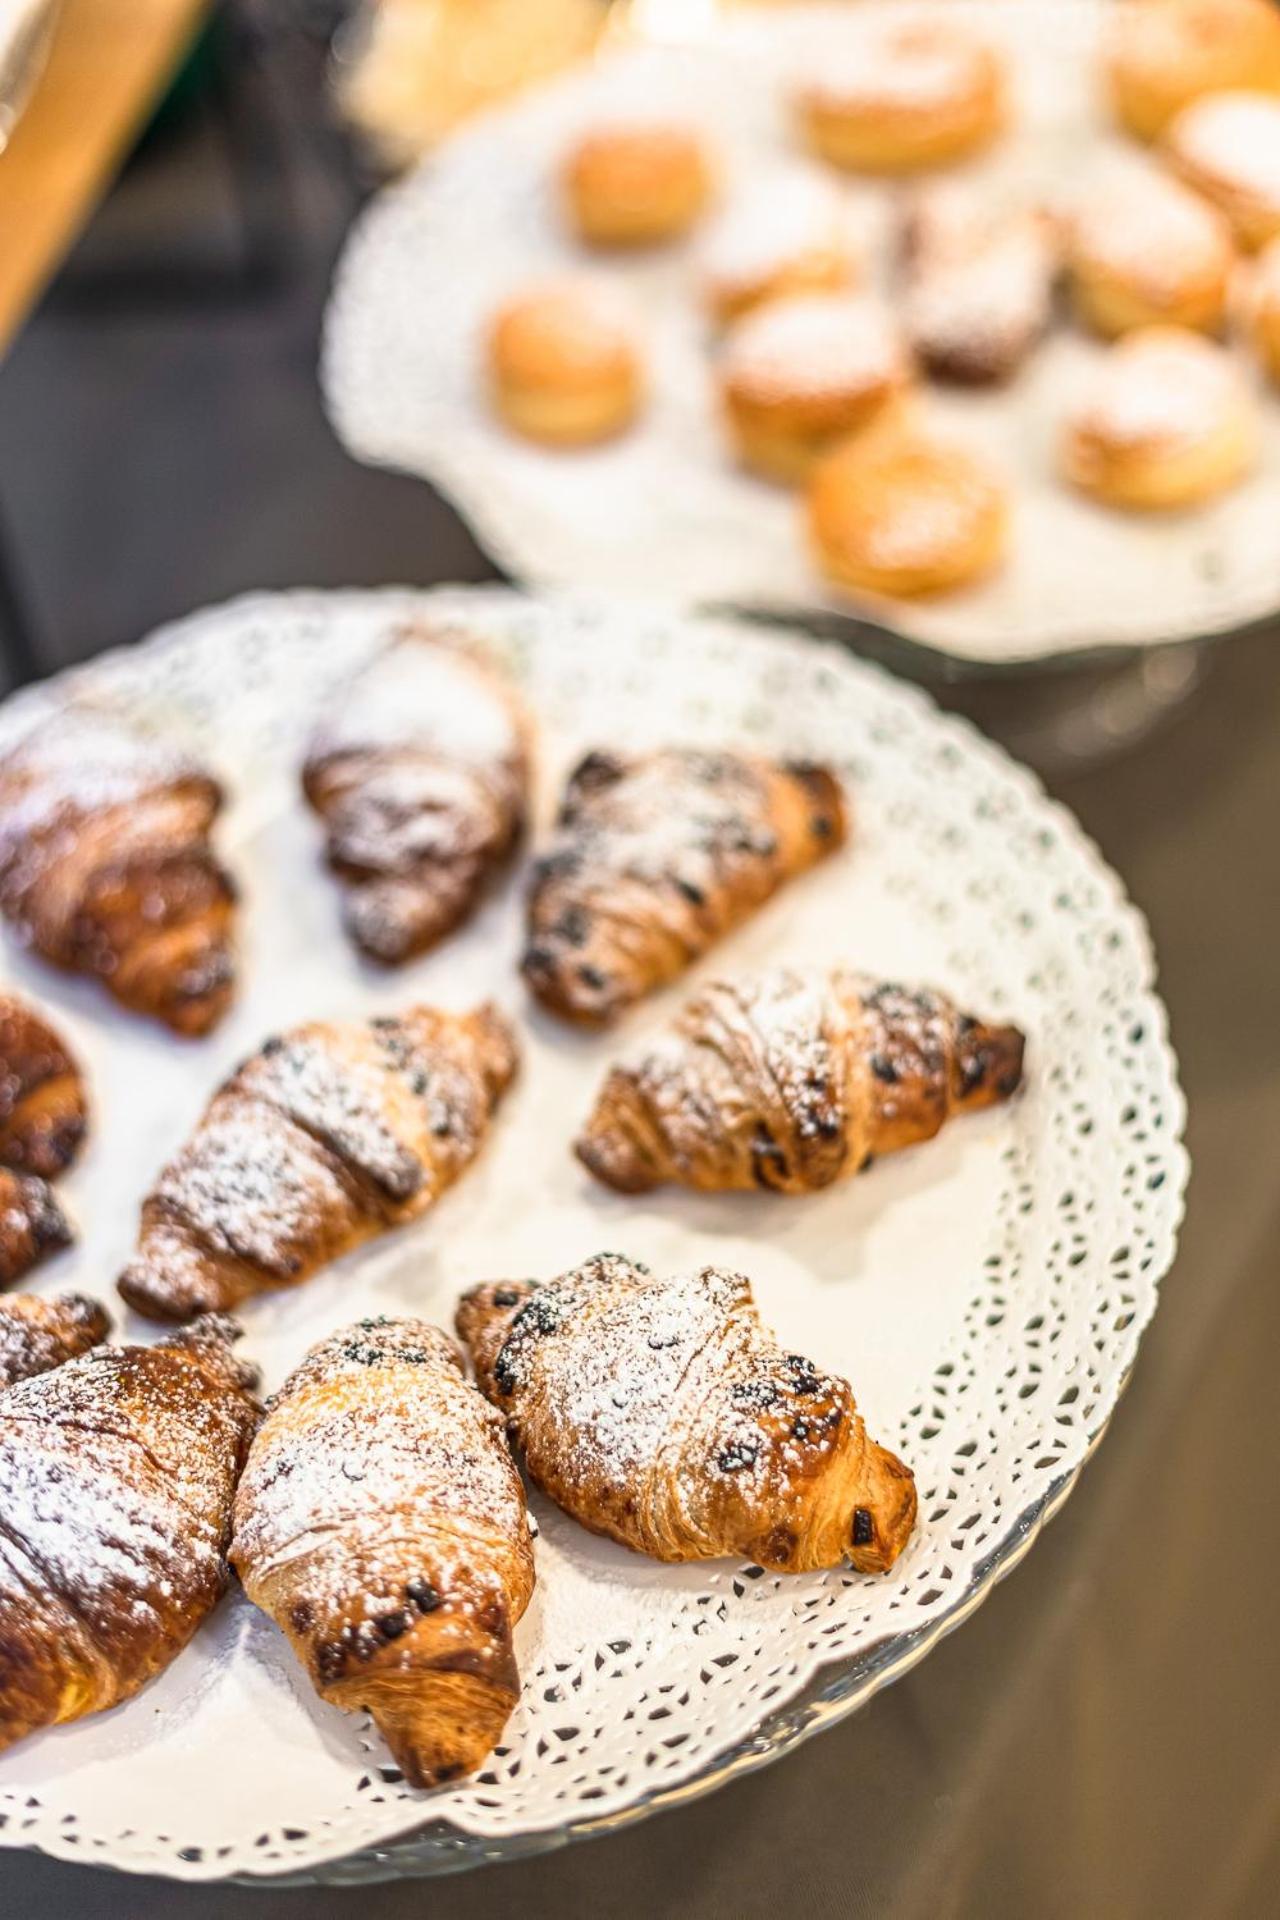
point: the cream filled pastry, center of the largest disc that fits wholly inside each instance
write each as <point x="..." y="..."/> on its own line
<point x="787" y="234"/>
<point x="909" y="95"/>
<point x="1227" y="147"/>
<point x="1144" y="250"/>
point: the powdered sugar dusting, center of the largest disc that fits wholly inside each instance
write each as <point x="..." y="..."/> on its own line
<point x="426" y="691"/>
<point x="81" y="761"/>
<point x="37" y="1334"/>
<point x="815" y="344"/>
<point x="1147" y="229"/>
<point x="1165" y="387"/>
<point x="1233" y="139"/>
<point x="979" y="280"/>
<point x="793" y="210"/>
<point x="914" y="66"/>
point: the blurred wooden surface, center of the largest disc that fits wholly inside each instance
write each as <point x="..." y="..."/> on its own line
<point x="109" y="63"/>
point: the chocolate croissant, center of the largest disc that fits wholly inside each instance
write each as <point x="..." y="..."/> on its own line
<point x="106" y="867"/>
<point x="37" y="1334"/>
<point x="328" y="1135"/>
<point x="381" y="1523"/>
<point x="117" y="1472"/>
<point x="43" y="1109"/>
<point x="32" y="1224"/>
<point x="793" y="1080"/>
<point x="420" y="775"/>
<point x="657" y="856"/>
<point x="664" y="1414"/>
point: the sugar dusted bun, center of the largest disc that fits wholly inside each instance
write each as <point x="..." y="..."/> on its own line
<point x="1162" y="54"/>
<point x="1228" y="148"/>
<point x="786" y="235"/>
<point x="564" y="364"/>
<point x="1145" y="251"/>
<point x="979" y="270"/>
<point x="911" y="95"/>
<point x="633" y="183"/>
<point x="801" y="374"/>
<point x="1166" y="421"/>
<point x="1263" y="310"/>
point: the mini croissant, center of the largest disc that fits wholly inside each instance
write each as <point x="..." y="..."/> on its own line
<point x="793" y="1080"/>
<point x="32" y="1224"/>
<point x="38" y="1334"/>
<point x="381" y="1523"/>
<point x="43" y="1110"/>
<point x="664" y="1414"/>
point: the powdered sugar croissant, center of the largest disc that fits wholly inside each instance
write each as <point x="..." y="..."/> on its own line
<point x="663" y="1414"/>
<point x="38" y="1334"/>
<point x="792" y="1080"/>
<point x="43" y="1108"/>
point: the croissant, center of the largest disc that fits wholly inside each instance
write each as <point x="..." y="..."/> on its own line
<point x="381" y="1523"/>
<point x="116" y="1478"/>
<point x="657" y="856"/>
<point x="43" y="1110"/>
<point x="106" y="867"/>
<point x="663" y="1414"/>
<point x="38" y="1334"/>
<point x="32" y="1224"/>
<point x="328" y="1135"/>
<point x="420" y="775"/>
<point x="791" y="1081"/>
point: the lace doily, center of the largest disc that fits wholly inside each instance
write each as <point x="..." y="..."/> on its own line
<point x="984" y="1294"/>
<point x="665" y="505"/>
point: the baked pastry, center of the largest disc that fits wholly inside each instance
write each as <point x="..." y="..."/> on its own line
<point x="633" y="182"/>
<point x="979" y="274"/>
<point x="802" y="374"/>
<point x="116" y="1477"/>
<point x="106" y="867"/>
<point x="903" y="96"/>
<point x="420" y="773"/>
<point x="565" y="364"/>
<point x="329" y="1135"/>
<point x="43" y="1108"/>
<point x="1161" y="54"/>
<point x="1227" y="146"/>
<point x="37" y="1334"/>
<point x="1164" y="421"/>
<point x="791" y="1081"/>
<point x="663" y="1414"/>
<point x="658" y="856"/>
<point x="382" y="1525"/>
<point x="787" y="235"/>
<point x="1144" y="251"/>
<point x="905" y="513"/>
<point x="32" y="1224"/>
<point x="1263" y="310"/>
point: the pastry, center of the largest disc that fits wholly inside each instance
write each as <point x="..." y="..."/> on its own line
<point x="1143" y="250"/>
<point x="420" y="773"/>
<point x="1164" y="421"/>
<point x="116" y="1477"/>
<point x="1263" y="310"/>
<point x="43" y="1110"/>
<point x="788" y="234"/>
<point x="381" y="1523"/>
<point x="791" y="1081"/>
<point x="664" y="1414"/>
<point x="106" y="867"/>
<point x="327" y="1136"/>
<point x="903" y="96"/>
<point x="1161" y="54"/>
<point x="905" y="513"/>
<point x="1227" y="146"/>
<point x="803" y="373"/>
<point x="657" y="856"/>
<point x="37" y="1334"/>
<point x="633" y="182"/>
<point x="565" y="364"/>
<point x="979" y="273"/>
<point x="32" y="1224"/>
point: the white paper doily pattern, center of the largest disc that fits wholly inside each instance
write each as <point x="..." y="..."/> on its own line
<point x="985" y="1294"/>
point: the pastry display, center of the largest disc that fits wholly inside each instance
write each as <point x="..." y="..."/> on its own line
<point x="1227" y="146"/>
<point x="32" y="1224"/>
<point x="791" y="1081"/>
<point x="117" y="1472"/>
<point x="328" y="1135"/>
<point x="381" y="1523"/>
<point x="801" y="374"/>
<point x="420" y="773"/>
<point x="979" y="274"/>
<point x="37" y="1335"/>
<point x="1144" y="251"/>
<point x="659" y="855"/>
<point x="635" y="182"/>
<point x="565" y="364"/>
<point x="788" y="235"/>
<point x="1164" y="421"/>
<point x="43" y="1106"/>
<point x="662" y="1413"/>
<point x="1161" y="54"/>
<point x="106" y="866"/>
<point x="1263" y="310"/>
<point x="905" y="96"/>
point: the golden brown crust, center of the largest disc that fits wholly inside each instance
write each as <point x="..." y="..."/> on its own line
<point x="43" y="1106"/>
<point x="382" y="1525"/>
<point x="1162" y="54"/>
<point x="327" y="1136"/>
<point x="663" y="1414"/>
<point x="564" y="365"/>
<point x="793" y="1080"/>
<point x="789" y="236"/>
<point x="633" y="184"/>
<point x="38" y="1334"/>
<point x="1142" y="250"/>
<point x="116" y="1478"/>
<point x="657" y="857"/>
<point x="1227" y="146"/>
<point x="911" y="96"/>
<point x="32" y="1224"/>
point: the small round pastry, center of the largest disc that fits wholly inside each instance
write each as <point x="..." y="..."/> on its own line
<point x="787" y="236"/>
<point x="564" y="364"/>
<point x="1227" y="147"/>
<point x="903" y="513"/>
<point x="635" y="183"/>
<point x="978" y="275"/>
<point x="1144" y="251"/>
<point x="1263" y="310"/>
<point x="1166" y="421"/>
<point x="801" y="374"/>
<point x="1162" y="54"/>
<point x="910" y="95"/>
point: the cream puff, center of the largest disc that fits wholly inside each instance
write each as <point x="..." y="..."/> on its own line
<point x="1144" y="251"/>
<point x="901" y="512"/>
<point x="1165" y="421"/>
<point x="1161" y="54"/>
<point x="564" y="364"/>
<point x="1227" y="146"/>
<point x="979" y="270"/>
<point x="636" y="183"/>
<point x="801" y="374"/>
<point x="904" y="96"/>
<point x="786" y="235"/>
<point x="1262" y="314"/>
